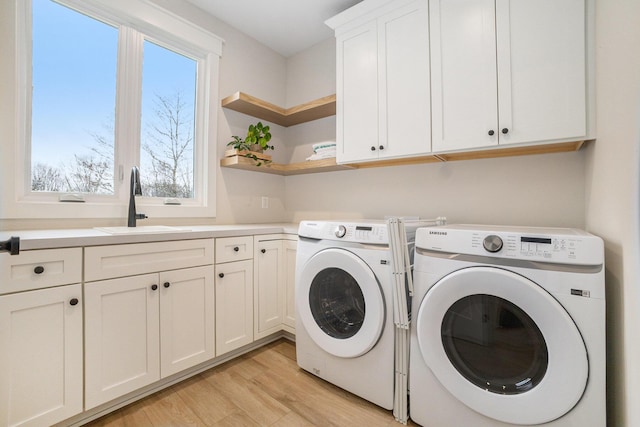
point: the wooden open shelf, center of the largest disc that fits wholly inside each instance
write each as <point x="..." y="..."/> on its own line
<point x="492" y="153"/>
<point x="310" y="166"/>
<point x="247" y="104"/>
<point x="329" y="165"/>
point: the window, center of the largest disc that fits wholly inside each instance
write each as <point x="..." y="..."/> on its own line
<point x="168" y="117"/>
<point x="108" y="85"/>
<point x="72" y="134"/>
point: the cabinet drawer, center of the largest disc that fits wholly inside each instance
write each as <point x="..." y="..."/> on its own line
<point x="234" y="249"/>
<point x="40" y="269"/>
<point x="105" y="262"/>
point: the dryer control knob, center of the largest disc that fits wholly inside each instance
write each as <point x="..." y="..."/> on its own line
<point x="341" y="231"/>
<point x="492" y="243"/>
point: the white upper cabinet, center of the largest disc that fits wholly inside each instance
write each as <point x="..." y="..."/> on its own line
<point x="383" y="108"/>
<point x="507" y="72"/>
<point x="357" y="95"/>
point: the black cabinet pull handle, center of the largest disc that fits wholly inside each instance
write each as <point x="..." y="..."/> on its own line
<point x="373" y="148"/>
<point x="221" y="275"/>
<point x="39" y="269"/>
<point x="166" y="284"/>
<point x="505" y="131"/>
<point x="73" y="301"/>
<point x="154" y="287"/>
<point x="263" y="250"/>
<point x="491" y="132"/>
<point x="381" y="147"/>
<point x="12" y="245"/>
<point x="236" y="249"/>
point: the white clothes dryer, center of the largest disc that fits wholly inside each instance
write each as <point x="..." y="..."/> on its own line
<point x="344" y="311"/>
<point x="508" y="328"/>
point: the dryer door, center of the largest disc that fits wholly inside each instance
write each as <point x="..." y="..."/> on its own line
<point x="502" y="345"/>
<point x="340" y="303"/>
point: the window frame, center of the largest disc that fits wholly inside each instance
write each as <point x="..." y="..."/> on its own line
<point x="136" y="21"/>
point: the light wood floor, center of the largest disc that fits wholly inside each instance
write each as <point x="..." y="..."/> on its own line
<point x="262" y="388"/>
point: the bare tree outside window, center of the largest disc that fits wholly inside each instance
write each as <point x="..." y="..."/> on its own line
<point x="45" y="177"/>
<point x="169" y="146"/>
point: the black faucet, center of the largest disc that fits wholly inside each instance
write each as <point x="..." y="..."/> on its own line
<point x="134" y="190"/>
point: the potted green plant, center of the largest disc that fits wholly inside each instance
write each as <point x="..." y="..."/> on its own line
<point x="238" y="144"/>
<point x="255" y="143"/>
<point x="259" y="136"/>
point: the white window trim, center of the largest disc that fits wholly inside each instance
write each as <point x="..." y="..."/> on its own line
<point x="19" y="202"/>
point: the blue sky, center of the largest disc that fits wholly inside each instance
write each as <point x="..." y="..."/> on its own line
<point x="74" y="72"/>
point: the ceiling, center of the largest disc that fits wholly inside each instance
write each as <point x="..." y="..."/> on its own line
<point x="286" y="26"/>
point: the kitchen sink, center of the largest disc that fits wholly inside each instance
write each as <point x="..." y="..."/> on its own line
<point x="144" y="229"/>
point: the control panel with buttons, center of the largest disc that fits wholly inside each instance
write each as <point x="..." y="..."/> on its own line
<point x="556" y="245"/>
<point x="374" y="232"/>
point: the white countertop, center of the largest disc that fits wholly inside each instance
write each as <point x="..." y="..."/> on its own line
<point x="65" y="238"/>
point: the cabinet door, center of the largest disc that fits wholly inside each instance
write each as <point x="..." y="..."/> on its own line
<point x="234" y="305"/>
<point x="403" y="40"/>
<point x="541" y="70"/>
<point x="186" y="318"/>
<point x="289" y="257"/>
<point x="122" y="350"/>
<point x="268" y="288"/>
<point x="40" y="356"/>
<point x="357" y="94"/>
<point x="463" y="74"/>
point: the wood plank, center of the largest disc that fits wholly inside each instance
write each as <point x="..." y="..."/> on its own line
<point x="206" y="401"/>
<point x="243" y="163"/>
<point x="397" y="162"/>
<point x="330" y="165"/>
<point x="310" y="166"/>
<point x="309" y="111"/>
<point x="498" y="152"/>
<point x="168" y="409"/>
<point x="279" y="393"/>
<point x="234" y="152"/>
<point x="314" y="166"/>
<point x="253" y="400"/>
<point x="314" y="110"/>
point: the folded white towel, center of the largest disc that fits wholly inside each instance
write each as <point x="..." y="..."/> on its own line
<point x="325" y="150"/>
<point x="325" y="144"/>
<point x="319" y="156"/>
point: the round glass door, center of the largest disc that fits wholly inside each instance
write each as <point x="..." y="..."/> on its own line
<point x="502" y="345"/>
<point x="340" y="303"/>
<point x="494" y="344"/>
<point x="337" y="303"/>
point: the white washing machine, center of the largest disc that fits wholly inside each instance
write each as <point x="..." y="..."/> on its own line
<point x="508" y="328"/>
<point x="344" y="326"/>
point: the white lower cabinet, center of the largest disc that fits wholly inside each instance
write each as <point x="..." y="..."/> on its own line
<point x="40" y="356"/>
<point x="149" y="310"/>
<point x="142" y="328"/>
<point x="234" y="305"/>
<point x="274" y="275"/>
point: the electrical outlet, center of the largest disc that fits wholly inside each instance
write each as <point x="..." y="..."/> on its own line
<point x="265" y="202"/>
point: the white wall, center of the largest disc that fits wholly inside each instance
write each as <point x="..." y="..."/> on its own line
<point x="612" y="197"/>
<point x="542" y="190"/>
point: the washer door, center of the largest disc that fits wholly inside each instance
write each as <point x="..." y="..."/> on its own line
<point x="502" y="345"/>
<point x="340" y="303"/>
